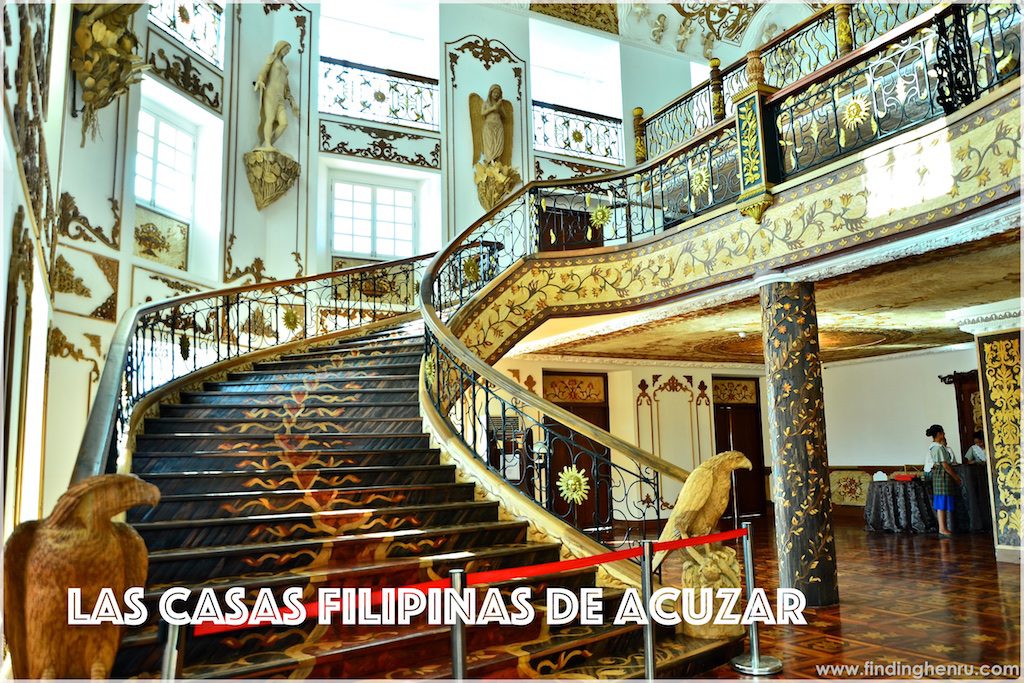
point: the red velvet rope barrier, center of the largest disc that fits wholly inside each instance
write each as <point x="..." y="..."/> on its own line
<point x="498" y="575"/>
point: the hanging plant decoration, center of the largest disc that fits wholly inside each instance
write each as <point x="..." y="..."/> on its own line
<point x="103" y="57"/>
<point x="573" y="485"/>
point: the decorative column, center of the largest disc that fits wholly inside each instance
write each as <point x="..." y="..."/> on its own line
<point x="996" y="330"/>
<point x="638" y="135"/>
<point x="717" y="98"/>
<point x="844" y="29"/>
<point x="758" y="159"/>
<point x="803" y="502"/>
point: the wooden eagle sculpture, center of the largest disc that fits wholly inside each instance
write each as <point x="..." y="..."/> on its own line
<point x="77" y="546"/>
<point x="703" y="500"/>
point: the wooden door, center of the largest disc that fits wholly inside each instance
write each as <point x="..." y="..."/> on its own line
<point x="738" y="428"/>
<point x="565" y="230"/>
<point x="571" y="449"/>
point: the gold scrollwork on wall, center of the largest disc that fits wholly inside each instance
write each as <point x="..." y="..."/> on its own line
<point x="74" y="226"/>
<point x="58" y="346"/>
<point x="1000" y="381"/>
<point x="575" y="388"/>
<point x="180" y="70"/>
<point x="604" y="16"/>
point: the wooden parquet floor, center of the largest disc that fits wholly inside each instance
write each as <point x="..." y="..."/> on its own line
<point x="910" y="599"/>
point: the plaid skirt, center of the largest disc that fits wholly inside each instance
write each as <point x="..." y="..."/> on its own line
<point x="942" y="483"/>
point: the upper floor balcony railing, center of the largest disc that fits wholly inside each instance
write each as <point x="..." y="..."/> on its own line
<point x="198" y="24"/>
<point x="564" y="130"/>
<point x="367" y="92"/>
<point x="792" y="55"/>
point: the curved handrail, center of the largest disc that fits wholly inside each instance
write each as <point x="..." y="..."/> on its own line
<point x="229" y="323"/>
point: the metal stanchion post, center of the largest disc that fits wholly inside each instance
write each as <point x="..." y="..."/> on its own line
<point x="458" y="577"/>
<point x="753" y="663"/>
<point x="735" y="504"/>
<point x="647" y="589"/>
<point x="174" y="652"/>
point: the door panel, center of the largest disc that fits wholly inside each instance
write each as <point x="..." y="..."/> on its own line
<point x="738" y="428"/>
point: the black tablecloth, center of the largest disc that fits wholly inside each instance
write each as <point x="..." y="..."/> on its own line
<point x="971" y="509"/>
<point x="904" y="506"/>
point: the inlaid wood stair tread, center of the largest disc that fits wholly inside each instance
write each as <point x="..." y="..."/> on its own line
<point x="263" y="486"/>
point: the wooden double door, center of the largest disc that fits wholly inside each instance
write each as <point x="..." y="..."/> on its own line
<point x="738" y="428"/>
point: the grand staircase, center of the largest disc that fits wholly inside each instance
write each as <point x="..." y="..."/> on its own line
<point x="313" y="470"/>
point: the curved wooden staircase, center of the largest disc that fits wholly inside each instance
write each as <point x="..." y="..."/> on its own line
<point x="313" y="470"/>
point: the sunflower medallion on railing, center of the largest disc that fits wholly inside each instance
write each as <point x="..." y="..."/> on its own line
<point x="573" y="485"/>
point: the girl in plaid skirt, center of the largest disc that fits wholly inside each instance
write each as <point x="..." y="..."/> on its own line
<point x="943" y="476"/>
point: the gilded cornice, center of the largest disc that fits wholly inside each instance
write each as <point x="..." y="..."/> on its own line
<point x="603" y="16"/>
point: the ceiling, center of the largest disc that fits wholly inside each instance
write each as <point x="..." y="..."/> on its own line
<point x="891" y="308"/>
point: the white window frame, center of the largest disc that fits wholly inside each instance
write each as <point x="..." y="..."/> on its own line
<point x="375" y="182"/>
<point x="159" y="112"/>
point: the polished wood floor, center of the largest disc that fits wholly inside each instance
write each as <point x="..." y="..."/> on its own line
<point x="909" y="599"/>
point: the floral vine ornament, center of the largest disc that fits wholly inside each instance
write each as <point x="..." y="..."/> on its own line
<point x="573" y="485"/>
<point x="271" y="172"/>
<point x="492" y="124"/>
<point x="103" y="57"/>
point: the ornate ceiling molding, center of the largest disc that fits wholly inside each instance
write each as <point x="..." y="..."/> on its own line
<point x="725" y="21"/>
<point x="997" y="317"/>
<point x="632" y="362"/>
<point x="603" y="16"/>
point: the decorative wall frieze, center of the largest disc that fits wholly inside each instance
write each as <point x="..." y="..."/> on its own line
<point x="19" y="268"/>
<point x="603" y="16"/>
<point x="72" y="269"/>
<point x="72" y="225"/>
<point x="742" y="391"/>
<point x="151" y="285"/>
<point x="64" y="281"/>
<point x="379" y="144"/>
<point x="58" y="346"/>
<point x="575" y="388"/>
<point x="724" y="21"/>
<point x="191" y="76"/>
<point x="256" y="269"/>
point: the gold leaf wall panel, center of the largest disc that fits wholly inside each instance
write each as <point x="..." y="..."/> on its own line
<point x="161" y="238"/>
<point x="999" y="359"/>
<point x="603" y="16"/>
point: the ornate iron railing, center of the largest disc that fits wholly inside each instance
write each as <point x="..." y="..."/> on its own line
<point x="947" y="62"/>
<point x="366" y="92"/>
<point x="160" y="342"/>
<point x="787" y="58"/>
<point x="564" y="130"/>
<point x="199" y="24"/>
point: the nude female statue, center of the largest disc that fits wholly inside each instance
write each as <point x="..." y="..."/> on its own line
<point x="272" y="85"/>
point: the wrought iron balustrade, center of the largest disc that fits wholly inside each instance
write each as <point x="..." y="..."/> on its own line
<point x="787" y="58"/>
<point x="160" y="342"/>
<point x="948" y="61"/>
<point x="366" y="92"/>
<point x="563" y="130"/>
<point x="198" y="24"/>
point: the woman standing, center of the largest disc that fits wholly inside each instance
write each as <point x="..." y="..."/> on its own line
<point x="943" y="475"/>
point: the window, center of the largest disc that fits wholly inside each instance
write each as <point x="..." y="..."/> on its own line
<point x="373" y="220"/>
<point x="165" y="165"/>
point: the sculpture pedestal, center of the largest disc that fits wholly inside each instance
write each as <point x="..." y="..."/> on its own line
<point x="718" y="569"/>
<point x="271" y="174"/>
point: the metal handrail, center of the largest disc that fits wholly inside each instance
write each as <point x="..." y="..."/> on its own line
<point x="97" y="443"/>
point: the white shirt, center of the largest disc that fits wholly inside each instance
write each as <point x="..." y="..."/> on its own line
<point x="975" y="453"/>
<point x="928" y="459"/>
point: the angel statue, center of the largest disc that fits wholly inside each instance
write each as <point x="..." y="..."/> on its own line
<point x="492" y="124"/>
<point x="272" y="85"/>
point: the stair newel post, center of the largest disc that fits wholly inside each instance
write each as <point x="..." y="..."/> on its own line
<point x="717" y="96"/>
<point x="646" y="591"/>
<point x="458" y="579"/>
<point x="640" y="142"/>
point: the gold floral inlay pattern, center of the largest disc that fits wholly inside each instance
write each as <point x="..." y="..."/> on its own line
<point x="1000" y="360"/>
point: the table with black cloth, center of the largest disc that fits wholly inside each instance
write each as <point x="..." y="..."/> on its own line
<point x="906" y="506"/>
<point x="902" y="506"/>
<point x="971" y="510"/>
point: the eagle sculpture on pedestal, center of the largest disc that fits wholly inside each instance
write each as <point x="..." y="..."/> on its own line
<point x="703" y="500"/>
<point x="77" y="546"/>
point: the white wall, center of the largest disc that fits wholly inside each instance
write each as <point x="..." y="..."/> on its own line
<point x="650" y="80"/>
<point x="876" y="410"/>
